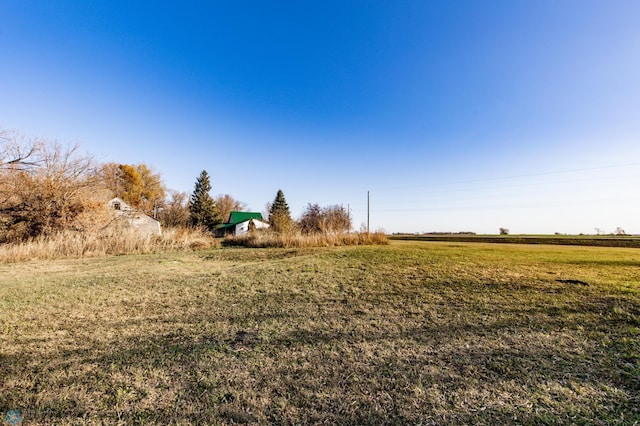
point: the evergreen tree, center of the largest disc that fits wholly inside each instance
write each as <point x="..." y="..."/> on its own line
<point x="279" y="214"/>
<point x="202" y="208"/>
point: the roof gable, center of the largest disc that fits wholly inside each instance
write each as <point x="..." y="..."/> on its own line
<point x="239" y="217"/>
<point x="118" y="203"/>
<point x="122" y="208"/>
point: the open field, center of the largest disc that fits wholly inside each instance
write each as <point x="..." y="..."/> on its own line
<point x="408" y="333"/>
<point x="565" y="240"/>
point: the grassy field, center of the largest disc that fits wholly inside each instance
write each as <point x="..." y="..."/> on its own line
<point x="566" y="240"/>
<point x="409" y="333"/>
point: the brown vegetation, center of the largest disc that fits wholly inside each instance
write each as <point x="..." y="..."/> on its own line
<point x="137" y="184"/>
<point x="175" y="212"/>
<point x="325" y="220"/>
<point x="18" y="153"/>
<point x="226" y="204"/>
<point x="53" y="188"/>
<point x="109" y="241"/>
<point x="52" y="196"/>
<point x="261" y="239"/>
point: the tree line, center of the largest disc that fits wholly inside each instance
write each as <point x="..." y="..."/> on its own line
<point x="46" y="187"/>
<point x="204" y="211"/>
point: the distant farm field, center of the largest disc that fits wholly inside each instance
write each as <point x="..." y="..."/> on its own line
<point x="566" y="240"/>
<point x="410" y="333"/>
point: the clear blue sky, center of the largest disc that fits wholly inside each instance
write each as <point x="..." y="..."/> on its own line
<point x="456" y="115"/>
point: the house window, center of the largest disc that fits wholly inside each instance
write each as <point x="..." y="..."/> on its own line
<point x="116" y="206"/>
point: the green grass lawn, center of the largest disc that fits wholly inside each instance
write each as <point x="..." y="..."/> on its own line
<point x="409" y="333"/>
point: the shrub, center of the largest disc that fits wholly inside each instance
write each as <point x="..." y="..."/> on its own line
<point x="330" y="219"/>
<point x="58" y="191"/>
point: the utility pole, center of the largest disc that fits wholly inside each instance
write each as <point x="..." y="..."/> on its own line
<point x="367" y="212"/>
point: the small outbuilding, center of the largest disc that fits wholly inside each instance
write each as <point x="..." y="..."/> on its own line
<point x="240" y="223"/>
<point x="126" y="215"/>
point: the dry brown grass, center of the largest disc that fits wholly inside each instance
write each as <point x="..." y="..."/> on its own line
<point x="299" y="240"/>
<point x="102" y="243"/>
<point x="405" y="333"/>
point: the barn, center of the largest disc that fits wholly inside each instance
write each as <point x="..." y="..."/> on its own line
<point x="240" y="223"/>
<point x="126" y="215"/>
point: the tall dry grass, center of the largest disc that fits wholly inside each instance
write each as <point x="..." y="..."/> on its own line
<point x="102" y="243"/>
<point x="298" y="240"/>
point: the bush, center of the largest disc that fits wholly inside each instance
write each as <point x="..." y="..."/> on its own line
<point x="330" y="219"/>
<point x="59" y="191"/>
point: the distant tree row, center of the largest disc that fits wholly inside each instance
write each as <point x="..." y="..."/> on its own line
<point x="314" y="219"/>
<point x="205" y="212"/>
<point x="46" y="187"/>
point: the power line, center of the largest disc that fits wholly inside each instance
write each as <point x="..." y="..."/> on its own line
<point x="503" y="178"/>
<point x="556" y="203"/>
<point x="482" y="192"/>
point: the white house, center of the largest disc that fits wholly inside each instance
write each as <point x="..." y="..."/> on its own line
<point x="240" y="223"/>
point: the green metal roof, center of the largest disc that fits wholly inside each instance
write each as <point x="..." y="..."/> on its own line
<point x="226" y="226"/>
<point x="239" y="217"/>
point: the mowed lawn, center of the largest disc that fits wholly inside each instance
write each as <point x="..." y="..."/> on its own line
<point x="409" y="333"/>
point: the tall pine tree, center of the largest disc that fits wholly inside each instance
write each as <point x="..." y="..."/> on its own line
<point x="279" y="214"/>
<point x="202" y="208"/>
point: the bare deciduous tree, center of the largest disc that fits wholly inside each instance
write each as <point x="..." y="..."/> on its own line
<point x="18" y="153"/>
<point x="311" y="220"/>
<point x="226" y="204"/>
<point x="336" y="219"/>
<point x="60" y="191"/>
<point x="175" y="212"/>
<point x="329" y="220"/>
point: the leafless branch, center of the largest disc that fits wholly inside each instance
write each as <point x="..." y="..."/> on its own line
<point x="18" y="153"/>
